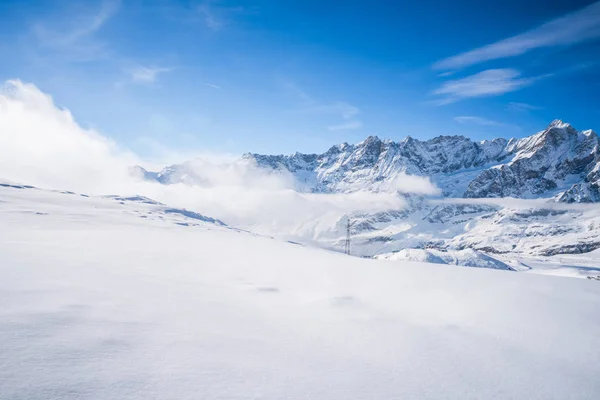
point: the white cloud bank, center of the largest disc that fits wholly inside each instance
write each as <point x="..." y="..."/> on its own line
<point x="42" y="145"/>
<point x="422" y="185"/>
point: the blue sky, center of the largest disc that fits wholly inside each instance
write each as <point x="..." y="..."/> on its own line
<point x="162" y="77"/>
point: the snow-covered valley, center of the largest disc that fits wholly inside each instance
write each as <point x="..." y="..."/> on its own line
<point x="108" y="297"/>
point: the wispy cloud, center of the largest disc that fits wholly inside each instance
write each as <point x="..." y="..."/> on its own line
<point x="579" y="26"/>
<point x="484" y="122"/>
<point x="215" y="15"/>
<point x="211" y="85"/>
<point x="350" y="125"/>
<point x="339" y="109"/>
<point x="312" y="105"/>
<point x="141" y="74"/>
<point x="344" y="110"/>
<point x="522" y="106"/>
<point x="297" y="91"/>
<point x="211" y="19"/>
<point x="478" y="121"/>
<point x="492" y="82"/>
<point x="78" y="42"/>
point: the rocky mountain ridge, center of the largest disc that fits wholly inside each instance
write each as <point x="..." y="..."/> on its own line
<point x="558" y="162"/>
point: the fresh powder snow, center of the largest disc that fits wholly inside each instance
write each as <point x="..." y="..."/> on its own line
<point x="120" y="298"/>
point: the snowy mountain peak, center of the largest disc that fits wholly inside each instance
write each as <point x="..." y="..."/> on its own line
<point x="557" y="123"/>
<point x="370" y="140"/>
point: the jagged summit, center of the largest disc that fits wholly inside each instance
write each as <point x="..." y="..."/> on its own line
<point x="557" y="123"/>
<point x="557" y="161"/>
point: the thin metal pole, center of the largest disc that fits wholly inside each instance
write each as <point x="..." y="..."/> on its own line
<point x="347" y="251"/>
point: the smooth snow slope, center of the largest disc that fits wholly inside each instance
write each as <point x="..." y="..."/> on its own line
<point x="99" y="301"/>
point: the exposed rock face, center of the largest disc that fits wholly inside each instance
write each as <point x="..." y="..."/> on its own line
<point x="558" y="161"/>
<point x="444" y="214"/>
<point x="542" y="164"/>
<point x="467" y="258"/>
<point x="587" y="191"/>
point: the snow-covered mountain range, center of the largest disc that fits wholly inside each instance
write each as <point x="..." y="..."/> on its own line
<point x="557" y="162"/>
<point x="558" y="165"/>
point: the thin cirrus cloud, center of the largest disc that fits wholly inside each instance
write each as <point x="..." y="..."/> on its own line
<point x="480" y="121"/>
<point x="216" y="16"/>
<point x="143" y="74"/>
<point x="211" y="19"/>
<point x="340" y="109"/>
<point x="522" y="106"/>
<point x="477" y="121"/>
<point x="78" y="42"/>
<point x="346" y="126"/>
<point x="579" y="26"/>
<point x="312" y="105"/>
<point x="491" y="82"/>
<point x="344" y="110"/>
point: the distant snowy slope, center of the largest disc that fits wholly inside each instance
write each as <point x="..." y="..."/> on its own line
<point x="467" y="258"/>
<point x="25" y="200"/>
<point x="99" y="302"/>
